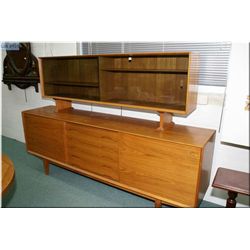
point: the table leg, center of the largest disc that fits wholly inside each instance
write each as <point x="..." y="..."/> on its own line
<point x="231" y="202"/>
<point x="46" y="166"/>
<point x="157" y="203"/>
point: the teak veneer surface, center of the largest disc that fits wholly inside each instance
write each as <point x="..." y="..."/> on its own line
<point x="44" y="136"/>
<point x="93" y="149"/>
<point x="187" y="135"/>
<point x="160" y="167"/>
<point x="172" y="166"/>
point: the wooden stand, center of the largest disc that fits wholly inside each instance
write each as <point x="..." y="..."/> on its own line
<point x="46" y="166"/>
<point x="62" y="105"/>
<point x="165" y="121"/>
<point x="234" y="182"/>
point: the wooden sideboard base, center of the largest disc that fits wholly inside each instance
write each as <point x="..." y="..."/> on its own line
<point x="158" y="203"/>
<point x="110" y="182"/>
<point x="169" y="167"/>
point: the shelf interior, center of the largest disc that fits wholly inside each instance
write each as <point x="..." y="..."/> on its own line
<point x="148" y="81"/>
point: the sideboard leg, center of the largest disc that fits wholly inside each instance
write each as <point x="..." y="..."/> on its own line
<point x="157" y="203"/>
<point x="46" y="166"/>
<point x="231" y="202"/>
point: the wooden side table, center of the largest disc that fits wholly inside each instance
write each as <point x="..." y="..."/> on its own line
<point x="234" y="182"/>
<point x="8" y="172"/>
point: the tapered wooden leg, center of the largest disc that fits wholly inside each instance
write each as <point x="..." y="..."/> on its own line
<point x="231" y="202"/>
<point x="157" y="203"/>
<point x="46" y="166"/>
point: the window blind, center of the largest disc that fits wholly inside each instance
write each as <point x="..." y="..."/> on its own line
<point x="85" y="49"/>
<point x="213" y="60"/>
<point x="143" y="47"/>
<point x="94" y="48"/>
<point x="213" y="56"/>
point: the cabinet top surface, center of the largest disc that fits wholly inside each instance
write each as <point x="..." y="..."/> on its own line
<point x="180" y="53"/>
<point x="187" y="135"/>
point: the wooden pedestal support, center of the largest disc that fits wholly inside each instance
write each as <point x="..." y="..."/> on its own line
<point x="46" y="166"/>
<point x="166" y="121"/>
<point x="62" y="105"/>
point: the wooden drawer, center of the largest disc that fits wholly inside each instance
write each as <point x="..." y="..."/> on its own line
<point x="93" y="149"/>
<point x="161" y="168"/>
<point x="44" y="136"/>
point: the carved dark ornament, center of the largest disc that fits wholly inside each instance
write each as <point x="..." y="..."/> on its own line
<point x="21" y="68"/>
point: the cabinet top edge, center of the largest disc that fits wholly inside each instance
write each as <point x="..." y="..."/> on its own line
<point x="181" y="134"/>
<point x="179" y="53"/>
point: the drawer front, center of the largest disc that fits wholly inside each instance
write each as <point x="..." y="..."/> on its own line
<point x="161" y="168"/>
<point x="44" y="136"/>
<point x="93" y="149"/>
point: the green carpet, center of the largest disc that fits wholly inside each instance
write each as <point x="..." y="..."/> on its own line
<point x="62" y="188"/>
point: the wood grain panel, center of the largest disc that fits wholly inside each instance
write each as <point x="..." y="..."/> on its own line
<point x="161" y="168"/>
<point x="172" y="167"/>
<point x="206" y="163"/>
<point x="44" y="136"/>
<point x="193" y="79"/>
<point x="93" y="149"/>
<point x="180" y="134"/>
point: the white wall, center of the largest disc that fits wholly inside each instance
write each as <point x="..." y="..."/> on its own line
<point x="207" y="115"/>
<point x="236" y="118"/>
<point x="17" y="100"/>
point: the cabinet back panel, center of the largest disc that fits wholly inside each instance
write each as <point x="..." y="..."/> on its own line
<point x="69" y="77"/>
<point x="93" y="149"/>
<point x="160" y="168"/>
<point x="163" y="90"/>
<point x="71" y="70"/>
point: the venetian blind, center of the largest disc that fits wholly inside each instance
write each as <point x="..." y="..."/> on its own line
<point x="102" y="48"/>
<point x="213" y="56"/>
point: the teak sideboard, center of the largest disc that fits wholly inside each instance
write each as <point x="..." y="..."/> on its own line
<point x="169" y="164"/>
<point x="172" y="167"/>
